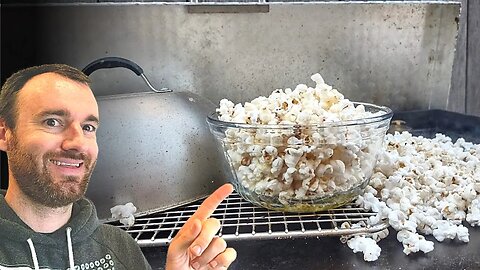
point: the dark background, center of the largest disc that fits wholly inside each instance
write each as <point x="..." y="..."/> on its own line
<point x="17" y="52"/>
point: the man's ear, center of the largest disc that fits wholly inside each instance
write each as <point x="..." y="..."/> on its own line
<point x="3" y="135"/>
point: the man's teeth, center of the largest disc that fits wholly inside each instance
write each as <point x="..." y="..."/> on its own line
<point x="59" y="163"/>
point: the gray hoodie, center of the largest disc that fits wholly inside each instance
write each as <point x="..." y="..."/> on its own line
<point x="83" y="243"/>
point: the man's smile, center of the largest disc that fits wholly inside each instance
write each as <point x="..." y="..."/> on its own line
<point x="67" y="166"/>
<point x="76" y="164"/>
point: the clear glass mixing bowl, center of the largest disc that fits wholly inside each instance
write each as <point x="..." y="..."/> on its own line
<point x="303" y="168"/>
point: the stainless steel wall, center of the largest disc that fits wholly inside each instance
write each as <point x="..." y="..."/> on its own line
<point x="465" y="87"/>
<point x="398" y="54"/>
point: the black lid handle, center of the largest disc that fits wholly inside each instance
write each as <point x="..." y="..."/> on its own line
<point x="114" y="62"/>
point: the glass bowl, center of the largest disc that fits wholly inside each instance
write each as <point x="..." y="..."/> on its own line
<point x="303" y="168"/>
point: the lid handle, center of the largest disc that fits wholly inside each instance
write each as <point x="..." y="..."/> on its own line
<point x="114" y="62"/>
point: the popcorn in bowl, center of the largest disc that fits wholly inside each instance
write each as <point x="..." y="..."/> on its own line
<point x="301" y="150"/>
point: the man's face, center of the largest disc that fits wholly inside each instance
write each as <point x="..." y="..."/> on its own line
<point x="53" y="149"/>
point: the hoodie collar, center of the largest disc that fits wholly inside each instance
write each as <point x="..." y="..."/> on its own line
<point x="84" y="222"/>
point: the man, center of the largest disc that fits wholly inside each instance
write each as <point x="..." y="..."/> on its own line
<point x="48" y="122"/>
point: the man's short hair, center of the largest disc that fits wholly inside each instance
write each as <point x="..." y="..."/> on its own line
<point x="8" y="94"/>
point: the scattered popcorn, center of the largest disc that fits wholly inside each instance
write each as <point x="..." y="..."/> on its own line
<point x="303" y="161"/>
<point x="124" y="213"/>
<point x="425" y="186"/>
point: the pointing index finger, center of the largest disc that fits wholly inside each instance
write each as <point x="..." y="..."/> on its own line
<point x="212" y="202"/>
<point x="192" y="228"/>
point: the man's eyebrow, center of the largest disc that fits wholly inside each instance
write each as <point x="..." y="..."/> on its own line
<point x="64" y="113"/>
<point x="93" y="118"/>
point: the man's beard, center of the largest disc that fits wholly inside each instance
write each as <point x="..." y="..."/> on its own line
<point x="36" y="182"/>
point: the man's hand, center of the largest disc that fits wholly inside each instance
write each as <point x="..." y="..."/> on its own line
<point x="195" y="246"/>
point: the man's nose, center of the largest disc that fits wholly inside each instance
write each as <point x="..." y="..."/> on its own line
<point x="74" y="139"/>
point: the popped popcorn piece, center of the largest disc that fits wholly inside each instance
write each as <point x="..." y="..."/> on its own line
<point x="462" y="234"/>
<point x="318" y="79"/>
<point x="368" y="246"/>
<point x="414" y="242"/>
<point x="124" y="213"/>
<point x="473" y="216"/>
<point x="444" y="229"/>
<point x="380" y="235"/>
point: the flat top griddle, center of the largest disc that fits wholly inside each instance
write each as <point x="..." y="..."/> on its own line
<point x="301" y="251"/>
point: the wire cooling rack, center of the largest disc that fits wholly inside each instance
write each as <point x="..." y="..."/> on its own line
<point x="242" y="220"/>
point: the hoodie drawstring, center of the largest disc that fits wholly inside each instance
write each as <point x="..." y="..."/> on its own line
<point x="34" y="254"/>
<point x="70" y="248"/>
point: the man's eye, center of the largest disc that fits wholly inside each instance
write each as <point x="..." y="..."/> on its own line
<point x="52" y="122"/>
<point x="89" y="128"/>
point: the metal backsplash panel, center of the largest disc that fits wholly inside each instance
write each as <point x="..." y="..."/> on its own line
<point x="398" y="54"/>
